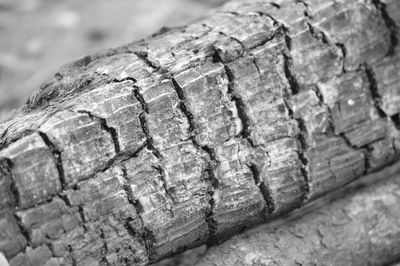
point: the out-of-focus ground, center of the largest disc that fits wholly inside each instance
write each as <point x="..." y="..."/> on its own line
<point x="38" y="36"/>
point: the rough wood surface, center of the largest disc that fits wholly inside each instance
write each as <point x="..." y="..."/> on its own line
<point x="357" y="226"/>
<point x="139" y="152"/>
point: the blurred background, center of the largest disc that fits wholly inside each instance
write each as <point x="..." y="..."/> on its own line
<point x="38" y="36"/>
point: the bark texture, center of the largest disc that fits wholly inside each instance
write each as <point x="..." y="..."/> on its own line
<point x="361" y="228"/>
<point x="139" y="152"/>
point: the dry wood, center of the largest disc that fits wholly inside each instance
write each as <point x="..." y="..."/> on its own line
<point x="361" y="228"/>
<point x="136" y="153"/>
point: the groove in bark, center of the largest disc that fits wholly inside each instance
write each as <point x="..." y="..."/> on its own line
<point x="246" y="134"/>
<point x="145" y="128"/>
<point x="144" y="56"/>
<point x="294" y="89"/>
<point x="164" y="185"/>
<point x="396" y="121"/>
<point x="263" y="189"/>
<point x="331" y="131"/>
<point x="212" y="224"/>
<point x="373" y="87"/>
<point x="57" y="158"/>
<point x="139" y="97"/>
<point x="143" y="123"/>
<point x="133" y="80"/>
<point x="321" y="36"/>
<point x="390" y="24"/>
<point x="113" y="133"/>
<point x="11" y="192"/>
<point x="184" y="109"/>
<point x="145" y="235"/>
<point x="209" y="218"/>
<point x="23" y="231"/>
<point x="326" y="231"/>
<point x="293" y="84"/>
<point x="246" y="131"/>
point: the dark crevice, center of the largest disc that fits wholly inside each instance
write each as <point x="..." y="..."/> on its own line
<point x="342" y="48"/>
<point x="367" y="150"/>
<point x="322" y="37"/>
<point x="303" y="2"/>
<point x="258" y="69"/>
<point x="144" y="56"/>
<point x="65" y="199"/>
<point x="149" y="139"/>
<point x="124" y="79"/>
<point x="373" y="87"/>
<point x="167" y="191"/>
<point x="104" y="249"/>
<point x="390" y="24"/>
<point x="183" y="108"/>
<point x="82" y="216"/>
<point x="302" y="157"/>
<point x="149" y="240"/>
<point x="288" y="40"/>
<point x="287" y="67"/>
<point x="277" y="6"/>
<point x="143" y="123"/>
<point x="294" y="89"/>
<point x="214" y="185"/>
<point x="279" y="30"/>
<point x="396" y="121"/>
<point x="57" y="158"/>
<point x="302" y="139"/>
<point x="104" y="260"/>
<point x="216" y="58"/>
<point x="103" y="123"/>
<point x="143" y="234"/>
<point x="306" y="7"/>
<point x="211" y="223"/>
<point x="319" y="96"/>
<point x="234" y="39"/>
<point x="70" y="251"/>
<point x="317" y="34"/>
<point x="240" y="106"/>
<point x="6" y="166"/>
<point x="120" y="157"/>
<point x="23" y="230"/>
<point x="129" y="192"/>
<point x="140" y="98"/>
<point x="266" y="194"/>
<point x="342" y="136"/>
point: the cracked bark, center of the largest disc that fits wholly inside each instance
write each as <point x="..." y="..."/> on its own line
<point x="196" y="133"/>
<point x="57" y="158"/>
<point x="326" y="231"/>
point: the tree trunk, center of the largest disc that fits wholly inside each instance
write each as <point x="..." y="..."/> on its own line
<point x="359" y="228"/>
<point x="196" y="133"/>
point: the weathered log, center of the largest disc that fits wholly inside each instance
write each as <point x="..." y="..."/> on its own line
<point x="139" y="152"/>
<point x="358" y="226"/>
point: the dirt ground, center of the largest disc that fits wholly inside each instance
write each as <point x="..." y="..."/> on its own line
<point x="38" y="36"/>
